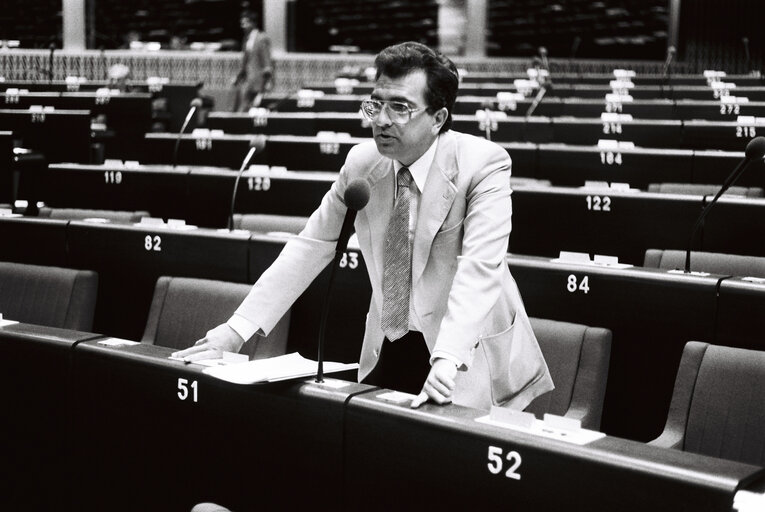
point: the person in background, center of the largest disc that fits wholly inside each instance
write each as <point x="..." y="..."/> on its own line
<point x="256" y="75"/>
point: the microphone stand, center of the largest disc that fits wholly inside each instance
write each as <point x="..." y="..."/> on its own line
<point x="255" y="145"/>
<point x="196" y="102"/>
<point x="754" y="152"/>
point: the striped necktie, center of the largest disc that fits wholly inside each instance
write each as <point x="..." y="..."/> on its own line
<point x="397" y="272"/>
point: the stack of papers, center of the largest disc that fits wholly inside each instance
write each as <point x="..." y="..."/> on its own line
<point x="289" y="366"/>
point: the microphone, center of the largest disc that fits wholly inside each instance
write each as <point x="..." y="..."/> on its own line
<point x="194" y="105"/>
<point x="575" y="46"/>
<point x="356" y="197"/>
<point x="745" y="41"/>
<point x="755" y="150"/>
<point x="257" y="144"/>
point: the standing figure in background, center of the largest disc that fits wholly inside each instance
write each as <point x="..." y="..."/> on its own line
<point x="256" y="75"/>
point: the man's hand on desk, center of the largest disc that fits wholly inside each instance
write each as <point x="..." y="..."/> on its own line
<point x="218" y="340"/>
<point x="439" y="385"/>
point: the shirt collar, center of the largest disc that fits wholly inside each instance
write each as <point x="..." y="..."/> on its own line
<point x="419" y="169"/>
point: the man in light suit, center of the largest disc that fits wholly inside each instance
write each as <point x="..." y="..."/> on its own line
<point x="256" y="74"/>
<point x="457" y="330"/>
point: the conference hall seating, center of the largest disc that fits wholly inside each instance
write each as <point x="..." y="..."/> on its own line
<point x="648" y="314"/>
<point x="577" y="356"/>
<point x="184" y="309"/>
<point x="52" y="296"/>
<point x="718" y="404"/>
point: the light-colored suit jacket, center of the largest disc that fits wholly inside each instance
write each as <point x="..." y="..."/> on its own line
<point x="465" y="299"/>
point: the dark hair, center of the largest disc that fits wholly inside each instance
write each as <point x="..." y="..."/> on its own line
<point x="442" y="78"/>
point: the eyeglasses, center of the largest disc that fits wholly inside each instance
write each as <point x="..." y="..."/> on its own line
<point x="398" y="111"/>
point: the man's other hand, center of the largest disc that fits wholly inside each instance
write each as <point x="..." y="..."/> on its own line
<point x="218" y="340"/>
<point x="439" y="385"/>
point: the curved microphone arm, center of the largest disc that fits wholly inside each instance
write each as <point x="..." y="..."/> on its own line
<point x="755" y="151"/>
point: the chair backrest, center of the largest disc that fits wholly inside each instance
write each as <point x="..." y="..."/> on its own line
<point x="578" y="359"/>
<point x="82" y="214"/>
<point x="264" y="223"/>
<point x="184" y="309"/>
<point x="712" y="262"/>
<point x="703" y="189"/>
<point x="52" y="296"/>
<point x="718" y="404"/>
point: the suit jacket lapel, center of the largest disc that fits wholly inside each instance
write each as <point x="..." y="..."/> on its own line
<point x="437" y="197"/>
<point x="378" y="211"/>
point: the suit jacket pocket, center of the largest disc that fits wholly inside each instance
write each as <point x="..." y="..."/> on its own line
<point x="510" y="364"/>
<point x="448" y="234"/>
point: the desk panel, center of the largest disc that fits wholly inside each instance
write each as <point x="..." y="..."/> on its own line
<point x="740" y="322"/>
<point x="33" y="240"/>
<point x="160" y="190"/>
<point x="294" y="152"/>
<point x="62" y="136"/>
<point x="440" y="458"/>
<point x="652" y="315"/>
<point x="129" y="259"/>
<point x="568" y="165"/>
<point x="7" y="187"/>
<point x="646" y="133"/>
<point x="735" y="225"/>
<point x="293" y="193"/>
<point x="600" y="221"/>
<point x="161" y="435"/>
<point x="34" y="433"/>
<point x="713" y="166"/>
<point x="725" y="135"/>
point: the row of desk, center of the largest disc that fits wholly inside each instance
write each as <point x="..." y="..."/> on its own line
<point x="712" y="110"/>
<point x="127" y="115"/>
<point x="562" y="90"/>
<point x="561" y="164"/>
<point x="546" y="220"/>
<point x="691" y="134"/>
<point x="124" y="428"/>
<point x="173" y="97"/>
<point x="651" y="313"/>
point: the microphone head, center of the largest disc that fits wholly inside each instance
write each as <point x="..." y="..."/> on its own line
<point x="671" y="50"/>
<point x="745" y="40"/>
<point x="357" y="194"/>
<point x="258" y="142"/>
<point x="196" y="103"/>
<point x="542" y="51"/>
<point x="756" y="148"/>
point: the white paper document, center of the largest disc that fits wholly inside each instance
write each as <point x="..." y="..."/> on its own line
<point x="288" y="366"/>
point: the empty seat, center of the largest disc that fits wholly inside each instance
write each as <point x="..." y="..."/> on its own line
<point x="51" y="296"/>
<point x="82" y="214"/>
<point x="578" y="359"/>
<point x="184" y="309"/>
<point x="718" y="404"/>
<point x="712" y="262"/>
<point x="264" y="223"/>
<point x="703" y="189"/>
